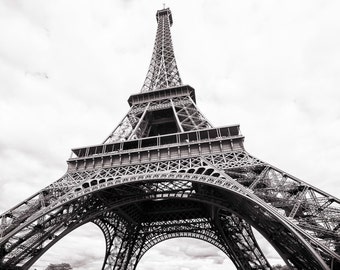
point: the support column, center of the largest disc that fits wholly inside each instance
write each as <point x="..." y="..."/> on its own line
<point x="123" y="241"/>
<point x="239" y="239"/>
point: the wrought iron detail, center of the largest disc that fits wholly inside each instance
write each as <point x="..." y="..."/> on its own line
<point x="166" y="172"/>
<point x="163" y="71"/>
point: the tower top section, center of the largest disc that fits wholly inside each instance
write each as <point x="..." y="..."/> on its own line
<point x="165" y="12"/>
<point x="163" y="72"/>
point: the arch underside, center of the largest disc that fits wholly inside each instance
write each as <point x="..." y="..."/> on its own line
<point x="134" y="224"/>
<point x="132" y="228"/>
<point x="145" y="204"/>
<point x="127" y="242"/>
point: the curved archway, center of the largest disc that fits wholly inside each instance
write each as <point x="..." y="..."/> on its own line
<point x="185" y="253"/>
<point x="174" y="252"/>
<point x="214" y="191"/>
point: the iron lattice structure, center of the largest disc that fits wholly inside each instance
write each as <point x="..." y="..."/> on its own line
<point x="166" y="172"/>
<point x="163" y="71"/>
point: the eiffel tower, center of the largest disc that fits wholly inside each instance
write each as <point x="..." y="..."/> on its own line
<point x="166" y="172"/>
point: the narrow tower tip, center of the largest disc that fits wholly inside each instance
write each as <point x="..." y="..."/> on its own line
<point x="163" y="71"/>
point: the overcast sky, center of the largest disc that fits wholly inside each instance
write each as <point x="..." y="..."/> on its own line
<point x="67" y="68"/>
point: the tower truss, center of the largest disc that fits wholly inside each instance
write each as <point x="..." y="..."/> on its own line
<point x="163" y="71"/>
<point x="165" y="171"/>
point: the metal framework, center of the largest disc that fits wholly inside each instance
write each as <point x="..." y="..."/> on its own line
<point x="163" y="71"/>
<point x="166" y="172"/>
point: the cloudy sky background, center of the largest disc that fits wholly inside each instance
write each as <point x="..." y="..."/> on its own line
<point x="68" y="67"/>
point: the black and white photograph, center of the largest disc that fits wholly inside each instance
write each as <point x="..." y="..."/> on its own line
<point x="173" y="135"/>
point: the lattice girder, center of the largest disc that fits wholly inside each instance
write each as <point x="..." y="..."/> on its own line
<point x="165" y="150"/>
<point x="140" y="123"/>
<point x="314" y="211"/>
<point x="176" y="175"/>
<point x="119" y="237"/>
<point x="190" y="118"/>
<point x="109" y="227"/>
<point x="163" y="71"/>
<point x="238" y="235"/>
<point x="240" y="162"/>
<point x="199" y="228"/>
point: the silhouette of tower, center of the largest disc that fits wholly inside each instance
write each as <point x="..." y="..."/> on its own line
<point x="166" y="172"/>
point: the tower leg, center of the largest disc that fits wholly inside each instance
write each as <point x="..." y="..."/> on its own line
<point x="241" y="244"/>
<point x="122" y="240"/>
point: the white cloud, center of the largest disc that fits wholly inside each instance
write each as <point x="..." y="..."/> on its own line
<point x="184" y="253"/>
<point x="68" y="67"/>
<point x="71" y="249"/>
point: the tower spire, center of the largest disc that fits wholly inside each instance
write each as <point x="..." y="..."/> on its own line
<point x="163" y="71"/>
